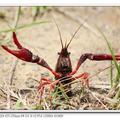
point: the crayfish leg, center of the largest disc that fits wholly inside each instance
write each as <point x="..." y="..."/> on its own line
<point x="51" y="87"/>
<point x="41" y="91"/>
<point x="83" y="76"/>
<point x="46" y="83"/>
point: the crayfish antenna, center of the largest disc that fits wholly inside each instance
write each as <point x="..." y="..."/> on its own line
<point x="58" y="31"/>
<point x="66" y="44"/>
<point x="78" y="29"/>
<point x="7" y="24"/>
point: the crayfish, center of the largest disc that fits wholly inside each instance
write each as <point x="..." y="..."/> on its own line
<point x="63" y="71"/>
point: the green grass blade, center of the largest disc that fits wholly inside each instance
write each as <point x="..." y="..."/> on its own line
<point x="63" y="93"/>
<point x="15" y="25"/>
<point x="24" y="26"/>
<point x="112" y="53"/>
<point x="82" y="93"/>
<point x="117" y="79"/>
<point x="41" y="9"/>
<point x="118" y="95"/>
<point x="2" y="12"/>
<point x="57" y="103"/>
<point x="75" y="81"/>
<point x="48" y="7"/>
<point x="55" y="94"/>
<point x="18" y="104"/>
<point x="34" y="11"/>
<point x="113" y="56"/>
<point x="5" y="31"/>
<point x="32" y="24"/>
<point x="111" y="76"/>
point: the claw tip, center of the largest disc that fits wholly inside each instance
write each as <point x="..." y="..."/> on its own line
<point x="3" y="47"/>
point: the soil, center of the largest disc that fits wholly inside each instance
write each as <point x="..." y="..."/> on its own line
<point x="43" y="40"/>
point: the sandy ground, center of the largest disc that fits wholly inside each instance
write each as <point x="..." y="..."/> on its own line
<point x="43" y="40"/>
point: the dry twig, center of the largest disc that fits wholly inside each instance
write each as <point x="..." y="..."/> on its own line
<point x="12" y="71"/>
<point x="98" y="99"/>
<point x="10" y="82"/>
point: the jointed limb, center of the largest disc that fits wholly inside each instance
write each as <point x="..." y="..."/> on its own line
<point x="97" y="57"/>
<point x="26" y="55"/>
<point x="83" y="76"/>
<point x="46" y="83"/>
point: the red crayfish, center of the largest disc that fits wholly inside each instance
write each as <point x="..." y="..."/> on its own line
<point x="63" y="71"/>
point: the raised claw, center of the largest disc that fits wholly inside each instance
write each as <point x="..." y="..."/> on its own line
<point x="16" y="41"/>
<point x="26" y="55"/>
<point x="21" y="53"/>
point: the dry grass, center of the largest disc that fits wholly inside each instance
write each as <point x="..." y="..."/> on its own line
<point x="93" y="98"/>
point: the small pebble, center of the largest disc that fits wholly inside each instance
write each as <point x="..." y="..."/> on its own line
<point x="118" y="50"/>
<point x="46" y="90"/>
<point x="107" y="84"/>
<point x="15" y="78"/>
<point x="88" y="94"/>
<point x="45" y="74"/>
<point x="107" y="27"/>
<point x="6" y="78"/>
<point x="36" y="87"/>
<point x="42" y="48"/>
<point x="77" y="108"/>
<point x="107" y="62"/>
<point x="29" y="74"/>
<point x="35" y="75"/>
<point x="31" y="86"/>
<point x="91" y="9"/>
<point x="117" y="31"/>
<point x="35" y="68"/>
<point x="100" y="9"/>
<point x="104" y="77"/>
<point x="27" y="82"/>
<point x="2" y="60"/>
<point x="85" y="107"/>
<point x="61" y="108"/>
<point x="23" y="63"/>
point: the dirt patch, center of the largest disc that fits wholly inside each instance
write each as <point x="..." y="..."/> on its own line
<point x="43" y="40"/>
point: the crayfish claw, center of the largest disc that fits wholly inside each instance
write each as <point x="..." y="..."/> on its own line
<point x="16" y="41"/>
<point x="15" y="53"/>
<point x="23" y="53"/>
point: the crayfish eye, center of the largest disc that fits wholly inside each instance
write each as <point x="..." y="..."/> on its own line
<point x="58" y="53"/>
<point x="69" y="53"/>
